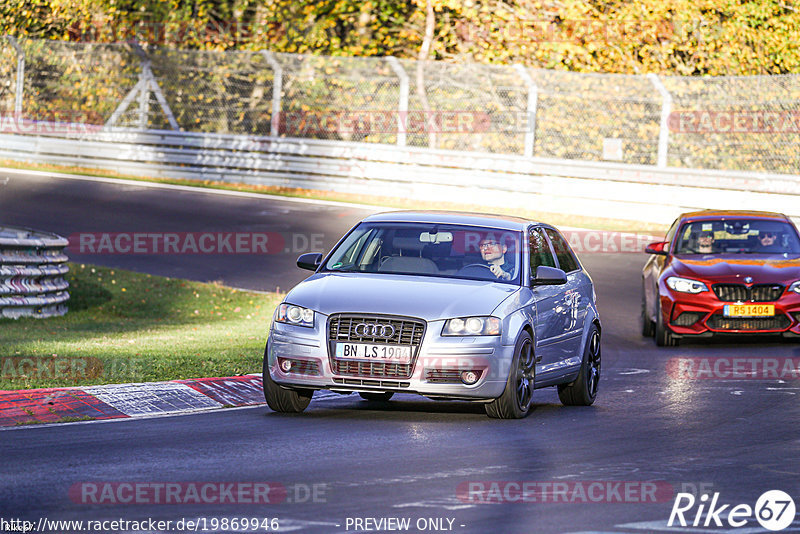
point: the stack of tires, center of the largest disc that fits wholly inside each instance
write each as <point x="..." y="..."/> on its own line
<point x="32" y="269"/>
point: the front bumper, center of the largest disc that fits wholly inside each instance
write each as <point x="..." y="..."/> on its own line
<point x="435" y="369"/>
<point x="703" y="314"/>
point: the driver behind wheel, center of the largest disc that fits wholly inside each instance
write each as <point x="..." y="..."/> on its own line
<point x="705" y="242"/>
<point x="493" y="253"/>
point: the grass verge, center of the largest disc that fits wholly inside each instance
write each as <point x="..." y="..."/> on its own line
<point x="130" y="327"/>
<point x="558" y="219"/>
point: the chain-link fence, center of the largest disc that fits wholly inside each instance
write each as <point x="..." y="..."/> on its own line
<point x="726" y="123"/>
<point x="74" y="82"/>
<point x="8" y="73"/>
<point x="751" y="123"/>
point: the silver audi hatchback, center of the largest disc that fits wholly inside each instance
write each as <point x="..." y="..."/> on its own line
<point x="453" y="306"/>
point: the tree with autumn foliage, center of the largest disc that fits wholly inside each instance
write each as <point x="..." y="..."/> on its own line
<point x="683" y="37"/>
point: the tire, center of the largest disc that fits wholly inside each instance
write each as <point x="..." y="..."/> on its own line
<point x="281" y="399"/>
<point x="376" y="397"/>
<point x="664" y="337"/>
<point x="583" y="390"/>
<point x="648" y="328"/>
<point x="515" y="402"/>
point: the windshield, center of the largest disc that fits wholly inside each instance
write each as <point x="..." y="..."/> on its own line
<point x="738" y="236"/>
<point x="453" y="251"/>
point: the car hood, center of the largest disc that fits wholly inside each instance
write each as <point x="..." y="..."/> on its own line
<point x="734" y="268"/>
<point x="428" y="298"/>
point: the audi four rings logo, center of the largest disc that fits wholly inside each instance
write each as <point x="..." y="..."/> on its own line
<point x="374" y="330"/>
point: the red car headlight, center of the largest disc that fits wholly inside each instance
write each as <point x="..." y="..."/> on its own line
<point x="685" y="285"/>
<point x="795" y="287"/>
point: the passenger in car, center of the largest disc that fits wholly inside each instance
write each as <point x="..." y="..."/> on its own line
<point x="767" y="242"/>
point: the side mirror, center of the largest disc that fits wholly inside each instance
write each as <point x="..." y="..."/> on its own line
<point x="657" y="248"/>
<point x="549" y="276"/>
<point x="309" y="261"/>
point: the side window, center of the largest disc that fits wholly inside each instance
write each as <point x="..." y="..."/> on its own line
<point x="566" y="261"/>
<point x="540" y="251"/>
<point x="671" y="232"/>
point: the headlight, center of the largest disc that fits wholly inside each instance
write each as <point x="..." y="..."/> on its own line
<point x="795" y="287"/>
<point x="472" y="326"/>
<point x="685" y="285"/>
<point x="297" y="315"/>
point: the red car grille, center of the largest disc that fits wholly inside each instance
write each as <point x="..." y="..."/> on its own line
<point x="720" y="322"/>
<point x="742" y="293"/>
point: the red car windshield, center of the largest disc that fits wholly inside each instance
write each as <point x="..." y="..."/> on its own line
<point x="737" y="236"/>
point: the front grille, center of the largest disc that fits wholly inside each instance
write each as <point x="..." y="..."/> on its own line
<point x="687" y="318"/>
<point x="766" y="293"/>
<point x="742" y="293"/>
<point x="720" y="322"/>
<point x="375" y="383"/>
<point x="383" y="370"/>
<point x="731" y="292"/>
<point x="407" y="332"/>
<point x="444" y="376"/>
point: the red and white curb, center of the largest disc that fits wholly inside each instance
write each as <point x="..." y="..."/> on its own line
<point x="119" y="401"/>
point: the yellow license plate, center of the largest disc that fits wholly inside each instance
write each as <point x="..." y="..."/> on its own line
<point x="749" y="310"/>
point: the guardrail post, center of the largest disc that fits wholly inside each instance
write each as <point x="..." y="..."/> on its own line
<point x="20" y="75"/>
<point x="277" y="89"/>
<point x="147" y="83"/>
<point x="666" y="109"/>
<point x="533" y="102"/>
<point x="144" y="97"/>
<point x="402" y="104"/>
<point x="150" y="84"/>
<point x="123" y="106"/>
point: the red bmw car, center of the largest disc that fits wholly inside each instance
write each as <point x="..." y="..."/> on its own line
<point x="723" y="272"/>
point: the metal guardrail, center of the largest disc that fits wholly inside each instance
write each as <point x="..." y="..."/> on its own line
<point x="637" y="192"/>
<point x="32" y="269"/>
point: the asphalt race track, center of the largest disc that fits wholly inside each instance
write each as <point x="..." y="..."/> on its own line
<point x="346" y="462"/>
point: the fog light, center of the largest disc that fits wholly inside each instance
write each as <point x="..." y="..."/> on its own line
<point x="286" y="365"/>
<point x="470" y="377"/>
<point x="687" y="318"/>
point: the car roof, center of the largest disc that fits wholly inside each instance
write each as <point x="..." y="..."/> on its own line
<point x="505" y="222"/>
<point x="721" y="214"/>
